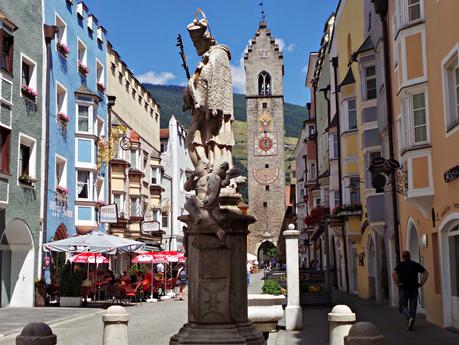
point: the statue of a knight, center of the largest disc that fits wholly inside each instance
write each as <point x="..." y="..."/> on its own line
<point x="209" y="95"/>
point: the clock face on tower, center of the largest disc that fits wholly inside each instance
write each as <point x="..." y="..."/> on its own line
<point x="265" y="144"/>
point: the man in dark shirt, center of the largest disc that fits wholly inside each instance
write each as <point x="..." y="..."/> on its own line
<point x="405" y="277"/>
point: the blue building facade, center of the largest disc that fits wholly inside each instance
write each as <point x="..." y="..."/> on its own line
<point x="77" y="120"/>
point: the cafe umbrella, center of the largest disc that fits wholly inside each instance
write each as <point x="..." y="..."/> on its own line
<point x="150" y="258"/>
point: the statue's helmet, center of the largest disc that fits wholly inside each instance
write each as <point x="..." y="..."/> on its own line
<point x="198" y="28"/>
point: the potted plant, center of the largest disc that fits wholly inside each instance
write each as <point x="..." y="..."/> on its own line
<point x="64" y="119"/>
<point x="271" y="287"/>
<point x="40" y="293"/>
<point x="29" y="92"/>
<point x="27" y="180"/>
<point x="70" y="287"/>
<point x="63" y="49"/>
<point x="83" y="69"/>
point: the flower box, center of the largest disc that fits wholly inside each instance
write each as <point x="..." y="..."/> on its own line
<point x="101" y="87"/>
<point x="62" y="191"/>
<point x="63" y="49"/>
<point x="83" y="69"/>
<point x="29" y="92"/>
<point x="27" y="180"/>
<point x="348" y="210"/>
<point x="63" y="118"/>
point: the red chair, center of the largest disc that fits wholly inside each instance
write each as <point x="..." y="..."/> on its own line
<point x="134" y="291"/>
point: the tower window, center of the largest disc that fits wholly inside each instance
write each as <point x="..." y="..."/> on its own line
<point x="267" y="188"/>
<point x="264" y="84"/>
<point x="265" y="105"/>
<point x="266" y="166"/>
<point x="265" y="204"/>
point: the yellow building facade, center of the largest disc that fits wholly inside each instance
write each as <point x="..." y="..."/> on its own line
<point x="135" y="158"/>
<point x="424" y="40"/>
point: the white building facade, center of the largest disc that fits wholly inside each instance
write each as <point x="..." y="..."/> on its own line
<point x="176" y="165"/>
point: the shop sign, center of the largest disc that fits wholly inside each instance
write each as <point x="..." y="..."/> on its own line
<point x="150" y="226"/>
<point x="451" y="174"/>
<point x="108" y="214"/>
<point x="312" y="276"/>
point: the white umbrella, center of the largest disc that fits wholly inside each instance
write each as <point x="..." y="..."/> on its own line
<point x="96" y="242"/>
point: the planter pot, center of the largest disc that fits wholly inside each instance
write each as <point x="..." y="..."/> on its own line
<point x="40" y="296"/>
<point x="265" y="311"/>
<point x="70" y="301"/>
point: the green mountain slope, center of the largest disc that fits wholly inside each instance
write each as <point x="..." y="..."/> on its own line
<point x="170" y="99"/>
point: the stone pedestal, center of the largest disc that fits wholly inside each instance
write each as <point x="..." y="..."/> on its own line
<point x="293" y="311"/>
<point x="341" y="319"/>
<point x="115" y="321"/>
<point x="217" y="291"/>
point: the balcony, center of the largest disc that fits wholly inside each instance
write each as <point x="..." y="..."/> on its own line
<point x="348" y="211"/>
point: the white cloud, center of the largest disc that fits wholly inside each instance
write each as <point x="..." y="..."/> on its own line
<point x="283" y="46"/>
<point x="160" y="78"/>
<point x="281" y="43"/>
<point x="291" y="47"/>
<point x="238" y="73"/>
<point x="304" y="69"/>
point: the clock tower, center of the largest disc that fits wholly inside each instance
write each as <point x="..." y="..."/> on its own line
<point x="264" y="69"/>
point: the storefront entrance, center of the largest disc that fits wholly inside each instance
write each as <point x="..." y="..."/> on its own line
<point x="415" y="251"/>
<point x="17" y="266"/>
<point x="450" y="269"/>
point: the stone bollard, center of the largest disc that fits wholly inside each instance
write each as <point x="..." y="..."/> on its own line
<point x="115" y="321"/>
<point x="293" y="311"/>
<point x="341" y="319"/>
<point x="364" y="333"/>
<point x="36" y="333"/>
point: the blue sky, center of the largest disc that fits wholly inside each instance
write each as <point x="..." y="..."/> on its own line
<point x="144" y="33"/>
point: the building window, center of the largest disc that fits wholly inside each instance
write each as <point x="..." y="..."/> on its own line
<point x="335" y="145"/>
<point x="264" y="84"/>
<point x="371" y="174"/>
<point x="118" y="199"/>
<point x="61" y="34"/>
<point x="6" y="52"/>
<point x="267" y="188"/>
<point x="414" y="10"/>
<point x="29" y="75"/>
<point x="370" y="82"/>
<point x="84" y="190"/>
<point x="155" y="176"/>
<point x="134" y="159"/>
<point x="5" y="135"/>
<point x="419" y="117"/>
<point x="136" y="206"/>
<point x="265" y="105"/>
<point x="351" y="114"/>
<point x="266" y="166"/>
<point x="85" y="213"/>
<point x="26" y="156"/>
<point x="84" y="118"/>
<point x="451" y="89"/>
<point x="100" y="76"/>
<point x="61" y="172"/>
<point x="265" y="204"/>
<point x="82" y="58"/>
<point x="61" y="99"/>
<point x="313" y="171"/>
<point x="354" y="190"/>
<point x="164" y="220"/>
<point x="336" y="198"/>
<point x="156" y="214"/>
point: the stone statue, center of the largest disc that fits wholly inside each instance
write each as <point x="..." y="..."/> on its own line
<point x="209" y="96"/>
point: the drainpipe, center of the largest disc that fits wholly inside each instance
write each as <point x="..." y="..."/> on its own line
<point x="381" y="8"/>
<point x="110" y="104"/>
<point x="315" y="130"/>
<point x="50" y="32"/>
<point x="334" y="61"/>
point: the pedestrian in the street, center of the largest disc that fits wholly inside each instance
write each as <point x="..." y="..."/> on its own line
<point x="406" y="277"/>
<point x="249" y="272"/>
<point x="182" y="281"/>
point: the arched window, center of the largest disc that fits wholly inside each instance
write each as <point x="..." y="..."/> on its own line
<point x="264" y="84"/>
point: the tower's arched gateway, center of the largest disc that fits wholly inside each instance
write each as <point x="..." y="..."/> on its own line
<point x="264" y="67"/>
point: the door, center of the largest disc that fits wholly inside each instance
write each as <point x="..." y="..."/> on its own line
<point x="354" y="270"/>
<point x="454" y="274"/>
<point x="415" y="251"/>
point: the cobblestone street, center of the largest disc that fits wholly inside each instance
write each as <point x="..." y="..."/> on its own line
<point x="149" y="324"/>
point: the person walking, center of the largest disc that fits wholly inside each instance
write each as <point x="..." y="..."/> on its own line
<point x="182" y="281"/>
<point x="405" y="276"/>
